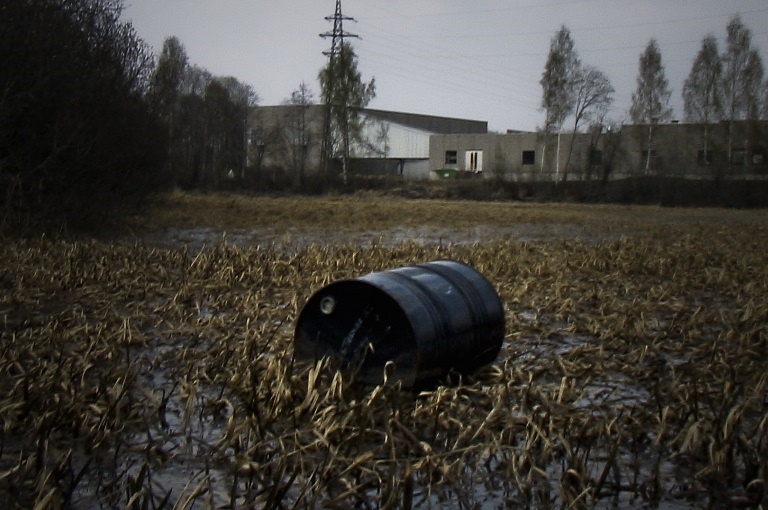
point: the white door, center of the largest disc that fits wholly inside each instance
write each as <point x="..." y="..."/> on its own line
<point x="473" y="161"/>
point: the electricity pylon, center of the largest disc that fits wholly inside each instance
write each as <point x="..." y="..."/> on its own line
<point x="337" y="36"/>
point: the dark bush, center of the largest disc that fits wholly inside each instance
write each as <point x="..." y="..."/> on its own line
<point x="77" y="142"/>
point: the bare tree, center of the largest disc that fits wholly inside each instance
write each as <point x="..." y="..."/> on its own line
<point x="196" y="80"/>
<point x="754" y="79"/>
<point x="593" y="95"/>
<point x="165" y="84"/>
<point x="560" y="73"/>
<point x="742" y="72"/>
<point x="742" y="78"/>
<point x="297" y="135"/>
<point x="702" y="92"/>
<point x="240" y="93"/>
<point x="165" y="96"/>
<point x="557" y="82"/>
<point x="227" y="102"/>
<point x="650" y="101"/>
<point x="242" y="98"/>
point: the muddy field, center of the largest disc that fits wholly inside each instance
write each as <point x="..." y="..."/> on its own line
<point x="153" y="369"/>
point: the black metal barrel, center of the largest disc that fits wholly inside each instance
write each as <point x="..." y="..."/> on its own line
<point x="428" y="320"/>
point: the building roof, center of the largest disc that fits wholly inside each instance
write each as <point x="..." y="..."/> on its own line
<point x="431" y="123"/>
<point x="428" y="123"/>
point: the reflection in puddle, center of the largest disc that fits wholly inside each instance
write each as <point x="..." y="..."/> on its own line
<point x="199" y="238"/>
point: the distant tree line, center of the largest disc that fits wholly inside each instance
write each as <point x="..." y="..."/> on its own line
<point x="726" y="87"/>
<point x="90" y="124"/>
<point x="206" y="118"/>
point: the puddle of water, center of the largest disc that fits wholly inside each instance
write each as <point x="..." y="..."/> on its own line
<point x="198" y="238"/>
<point x="176" y="445"/>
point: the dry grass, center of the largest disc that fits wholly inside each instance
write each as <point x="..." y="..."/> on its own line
<point x="633" y="370"/>
<point x="372" y="211"/>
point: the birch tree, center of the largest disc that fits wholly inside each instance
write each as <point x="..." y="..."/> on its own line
<point x="742" y="73"/>
<point x="702" y="91"/>
<point x="650" y="101"/>
<point x="560" y="73"/>
<point x="742" y="78"/>
<point x="557" y="80"/>
<point x="346" y="94"/>
<point x="296" y="133"/>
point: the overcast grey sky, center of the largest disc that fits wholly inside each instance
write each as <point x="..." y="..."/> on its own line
<point x="478" y="59"/>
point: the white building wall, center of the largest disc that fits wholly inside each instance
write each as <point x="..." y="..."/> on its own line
<point x="407" y="143"/>
<point x="402" y="142"/>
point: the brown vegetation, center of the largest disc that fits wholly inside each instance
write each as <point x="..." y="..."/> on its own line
<point x="146" y="377"/>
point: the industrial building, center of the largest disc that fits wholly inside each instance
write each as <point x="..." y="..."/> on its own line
<point x="737" y="150"/>
<point x="287" y="139"/>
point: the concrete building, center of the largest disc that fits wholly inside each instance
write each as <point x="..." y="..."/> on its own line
<point x="286" y="139"/>
<point x="736" y="150"/>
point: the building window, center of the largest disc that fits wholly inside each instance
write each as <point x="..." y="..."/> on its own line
<point x="529" y="157"/>
<point x="652" y="163"/>
<point x="595" y="157"/>
<point x="473" y="161"/>
<point x="704" y="158"/>
<point x="451" y="157"/>
<point x="758" y="158"/>
<point x="739" y="157"/>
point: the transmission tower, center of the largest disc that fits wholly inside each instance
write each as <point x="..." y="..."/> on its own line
<point x="337" y="36"/>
